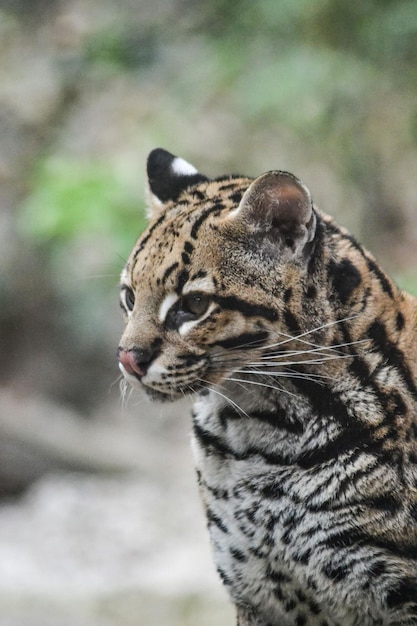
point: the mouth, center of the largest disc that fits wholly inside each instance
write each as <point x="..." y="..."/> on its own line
<point x="167" y="394"/>
<point x="132" y="378"/>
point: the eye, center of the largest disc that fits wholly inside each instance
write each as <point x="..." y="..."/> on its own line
<point x="195" y="303"/>
<point x="128" y="298"/>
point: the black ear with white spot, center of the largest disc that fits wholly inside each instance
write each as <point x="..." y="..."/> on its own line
<point x="168" y="176"/>
<point x="278" y="206"/>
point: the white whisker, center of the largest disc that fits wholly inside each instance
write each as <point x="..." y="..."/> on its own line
<point x="125" y="393"/>
<point x="254" y="382"/>
<point x="232" y="402"/>
<point x="299" y="337"/>
<point x="319" y="349"/>
<point x="287" y="374"/>
<point x="94" y="276"/>
<point x="309" y="375"/>
<point x="323" y="359"/>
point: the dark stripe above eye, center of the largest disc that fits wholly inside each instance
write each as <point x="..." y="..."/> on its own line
<point x="169" y="271"/>
<point x="181" y="280"/>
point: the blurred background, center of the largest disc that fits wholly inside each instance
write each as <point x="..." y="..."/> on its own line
<point x="100" y="523"/>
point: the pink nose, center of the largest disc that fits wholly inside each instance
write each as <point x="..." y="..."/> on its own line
<point x="127" y="358"/>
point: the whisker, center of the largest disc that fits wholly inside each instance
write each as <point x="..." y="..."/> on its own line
<point x="141" y="399"/>
<point x="254" y="382"/>
<point x="119" y="256"/>
<point x="299" y="337"/>
<point x="287" y="374"/>
<point x="246" y="344"/>
<point x="94" y="276"/>
<point x="188" y="388"/>
<point x="323" y="359"/>
<point x="266" y="363"/>
<point x="117" y="381"/>
<point x="126" y="391"/>
<point x="232" y="402"/>
<point x="309" y="375"/>
<point x="324" y="351"/>
<point x="317" y="349"/>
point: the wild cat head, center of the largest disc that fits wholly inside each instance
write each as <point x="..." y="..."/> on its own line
<point x="203" y="290"/>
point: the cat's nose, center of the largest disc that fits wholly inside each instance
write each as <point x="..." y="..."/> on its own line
<point x="134" y="361"/>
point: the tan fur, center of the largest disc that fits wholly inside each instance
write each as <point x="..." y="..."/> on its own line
<point x="304" y="366"/>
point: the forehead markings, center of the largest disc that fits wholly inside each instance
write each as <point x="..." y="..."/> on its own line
<point x="169" y="271"/>
<point x="169" y="233"/>
<point x="182" y="167"/>
<point x="218" y="204"/>
<point x="142" y="242"/>
<point x="216" y="208"/>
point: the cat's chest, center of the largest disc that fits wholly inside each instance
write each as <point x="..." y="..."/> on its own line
<point x="255" y="512"/>
<point x="271" y="520"/>
<point x="246" y="532"/>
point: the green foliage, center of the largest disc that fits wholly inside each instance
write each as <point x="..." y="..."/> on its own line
<point x="408" y="282"/>
<point x="70" y="198"/>
<point x="381" y="31"/>
<point x="122" y="48"/>
<point x="326" y="71"/>
<point x="83" y="218"/>
<point x="319" y="68"/>
<point x="312" y="62"/>
<point x="299" y="89"/>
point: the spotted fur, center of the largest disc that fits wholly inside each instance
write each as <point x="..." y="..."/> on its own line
<point x="302" y="357"/>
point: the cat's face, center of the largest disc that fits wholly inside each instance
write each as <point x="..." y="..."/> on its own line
<point x="200" y="293"/>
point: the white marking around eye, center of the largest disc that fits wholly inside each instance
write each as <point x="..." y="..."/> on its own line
<point x="187" y="326"/>
<point x="200" y="284"/>
<point x="180" y="167"/>
<point x="166" y="304"/>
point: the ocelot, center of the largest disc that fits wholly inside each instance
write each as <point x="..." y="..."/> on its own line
<point x="301" y="354"/>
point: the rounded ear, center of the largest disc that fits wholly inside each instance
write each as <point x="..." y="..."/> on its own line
<point x="278" y="206"/>
<point x="168" y="176"/>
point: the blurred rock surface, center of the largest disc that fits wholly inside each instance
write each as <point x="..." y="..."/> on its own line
<point x="122" y="540"/>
